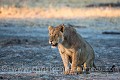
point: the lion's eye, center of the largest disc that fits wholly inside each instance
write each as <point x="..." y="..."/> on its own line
<point x="50" y="34"/>
<point x="55" y="35"/>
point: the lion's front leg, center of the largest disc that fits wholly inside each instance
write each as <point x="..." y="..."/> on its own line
<point x="74" y="64"/>
<point x="65" y="59"/>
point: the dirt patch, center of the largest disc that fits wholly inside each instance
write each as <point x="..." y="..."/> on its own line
<point x="24" y="48"/>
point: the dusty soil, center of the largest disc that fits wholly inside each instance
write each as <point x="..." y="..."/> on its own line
<point x="24" y="48"/>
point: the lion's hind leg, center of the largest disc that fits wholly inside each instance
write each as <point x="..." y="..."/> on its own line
<point x="88" y="65"/>
<point x="79" y="69"/>
<point x="86" y="68"/>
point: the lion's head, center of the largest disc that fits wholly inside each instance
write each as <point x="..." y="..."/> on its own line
<point x="55" y="35"/>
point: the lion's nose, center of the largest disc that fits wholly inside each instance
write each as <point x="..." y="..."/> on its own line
<point x="50" y="42"/>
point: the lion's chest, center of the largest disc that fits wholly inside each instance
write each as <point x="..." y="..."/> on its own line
<point x="64" y="50"/>
<point x="69" y="52"/>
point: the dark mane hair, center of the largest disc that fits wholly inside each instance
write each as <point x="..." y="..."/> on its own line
<point x="71" y="37"/>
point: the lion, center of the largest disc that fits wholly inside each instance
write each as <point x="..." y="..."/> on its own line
<point x="76" y="53"/>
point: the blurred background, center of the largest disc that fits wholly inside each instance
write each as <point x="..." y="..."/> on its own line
<point x="58" y="8"/>
<point x="24" y="36"/>
<point x="56" y="3"/>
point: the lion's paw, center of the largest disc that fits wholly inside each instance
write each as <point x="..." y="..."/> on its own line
<point x="72" y="72"/>
<point x="67" y="72"/>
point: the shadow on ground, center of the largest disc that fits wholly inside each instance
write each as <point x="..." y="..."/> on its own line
<point x="105" y="5"/>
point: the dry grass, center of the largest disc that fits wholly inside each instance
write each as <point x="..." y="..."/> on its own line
<point x="64" y="12"/>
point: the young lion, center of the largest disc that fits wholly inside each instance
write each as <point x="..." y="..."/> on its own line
<point x="73" y="49"/>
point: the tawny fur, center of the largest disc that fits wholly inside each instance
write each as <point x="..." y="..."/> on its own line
<point x="73" y="49"/>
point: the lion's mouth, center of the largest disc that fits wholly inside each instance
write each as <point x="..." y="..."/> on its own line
<point x="54" y="45"/>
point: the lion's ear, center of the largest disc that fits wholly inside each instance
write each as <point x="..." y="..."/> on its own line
<point x="50" y="27"/>
<point x="62" y="27"/>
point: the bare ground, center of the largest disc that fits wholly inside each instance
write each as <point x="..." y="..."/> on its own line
<point x="24" y="48"/>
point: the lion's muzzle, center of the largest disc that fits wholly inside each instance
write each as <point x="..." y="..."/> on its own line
<point x="53" y="43"/>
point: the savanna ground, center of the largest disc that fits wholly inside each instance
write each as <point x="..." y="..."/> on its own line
<point x="24" y="50"/>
